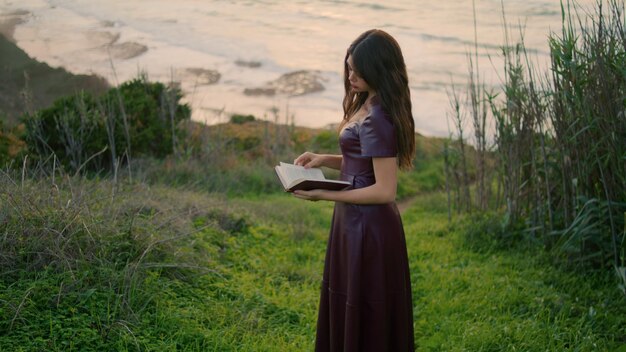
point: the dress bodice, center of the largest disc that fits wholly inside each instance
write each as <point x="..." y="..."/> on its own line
<point x="360" y="141"/>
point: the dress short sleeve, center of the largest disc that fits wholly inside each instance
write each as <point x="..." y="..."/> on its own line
<point x="377" y="135"/>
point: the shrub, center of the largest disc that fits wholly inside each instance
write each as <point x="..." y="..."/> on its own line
<point x="70" y="129"/>
<point x="152" y="111"/>
<point x="241" y="119"/>
<point x="139" y="118"/>
<point x="326" y="141"/>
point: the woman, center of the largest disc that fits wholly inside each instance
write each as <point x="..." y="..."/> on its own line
<point x="365" y="302"/>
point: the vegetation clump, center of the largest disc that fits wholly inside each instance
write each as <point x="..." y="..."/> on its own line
<point x="557" y="162"/>
<point x="241" y="119"/>
<point x="138" y="118"/>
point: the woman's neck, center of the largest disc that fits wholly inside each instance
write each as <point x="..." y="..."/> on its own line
<point x="371" y="98"/>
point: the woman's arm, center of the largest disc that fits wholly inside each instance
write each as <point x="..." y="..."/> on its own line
<point x="309" y="160"/>
<point x="381" y="192"/>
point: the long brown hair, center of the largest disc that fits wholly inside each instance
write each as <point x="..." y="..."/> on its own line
<point x="377" y="58"/>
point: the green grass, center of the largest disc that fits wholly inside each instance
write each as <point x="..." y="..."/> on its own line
<point x="243" y="274"/>
<point x="503" y="300"/>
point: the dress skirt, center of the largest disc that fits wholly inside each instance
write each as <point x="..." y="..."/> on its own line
<point x="365" y="302"/>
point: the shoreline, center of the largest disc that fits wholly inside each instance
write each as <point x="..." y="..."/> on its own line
<point x="264" y="99"/>
<point x="298" y="84"/>
<point x="215" y="87"/>
<point x="304" y="97"/>
<point x="47" y="84"/>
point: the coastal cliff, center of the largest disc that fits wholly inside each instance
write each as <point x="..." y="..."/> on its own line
<point x="29" y="85"/>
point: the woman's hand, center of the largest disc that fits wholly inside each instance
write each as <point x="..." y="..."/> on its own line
<point x="312" y="195"/>
<point x="309" y="160"/>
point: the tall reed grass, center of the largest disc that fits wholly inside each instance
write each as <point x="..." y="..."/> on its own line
<point x="560" y="137"/>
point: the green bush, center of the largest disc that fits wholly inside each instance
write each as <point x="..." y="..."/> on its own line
<point x="245" y="143"/>
<point x="326" y="142"/>
<point x="139" y="118"/>
<point x="241" y="119"/>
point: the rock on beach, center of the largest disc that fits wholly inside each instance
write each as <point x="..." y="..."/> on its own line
<point x="203" y="76"/>
<point x="126" y="50"/>
<point x="293" y="84"/>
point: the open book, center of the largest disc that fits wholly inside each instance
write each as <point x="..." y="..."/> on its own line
<point x="295" y="177"/>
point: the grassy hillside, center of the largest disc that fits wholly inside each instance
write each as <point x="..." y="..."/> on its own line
<point x="92" y="266"/>
<point x="201" y="250"/>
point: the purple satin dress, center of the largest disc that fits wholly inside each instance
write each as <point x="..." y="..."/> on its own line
<point x="365" y="302"/>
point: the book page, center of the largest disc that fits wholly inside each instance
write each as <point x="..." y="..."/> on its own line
<point x="295" y="172"/>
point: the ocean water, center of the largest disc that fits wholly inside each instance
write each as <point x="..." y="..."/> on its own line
<point x="217" y="49"/>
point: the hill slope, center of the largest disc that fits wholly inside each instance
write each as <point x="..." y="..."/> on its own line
<point x="29" y="85"/>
